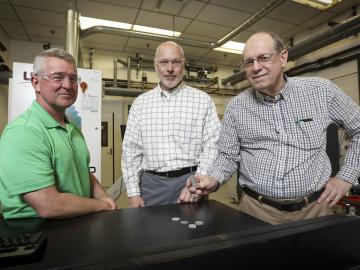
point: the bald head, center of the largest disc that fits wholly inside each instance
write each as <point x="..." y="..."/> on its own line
<point x="270" y="38"/>
<point x="169" y="45"/>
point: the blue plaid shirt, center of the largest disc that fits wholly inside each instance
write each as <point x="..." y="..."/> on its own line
<point x="279" y="145"/>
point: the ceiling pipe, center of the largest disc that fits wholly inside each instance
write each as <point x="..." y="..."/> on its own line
<point x="269" y="6"/>
<point x="327" y="37"/>
<point x="330" y="35"/>
<point x="72" y="32"/>
<point x="99" y="29"/>
<point x="136" y="34"/>
<point x="125" y="92"/>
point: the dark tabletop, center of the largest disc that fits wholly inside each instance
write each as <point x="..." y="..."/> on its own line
<point x="148" y="238"/>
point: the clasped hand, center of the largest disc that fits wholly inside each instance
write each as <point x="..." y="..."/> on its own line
<point x="204" y="186"/>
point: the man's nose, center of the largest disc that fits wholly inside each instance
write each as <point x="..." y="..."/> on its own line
<point x="67" y="82"/>
<point x="256" y="66"/>
<point x="170" y="66"/>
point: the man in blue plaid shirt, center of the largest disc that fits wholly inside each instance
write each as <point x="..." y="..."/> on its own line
<point x="274" y="133"/>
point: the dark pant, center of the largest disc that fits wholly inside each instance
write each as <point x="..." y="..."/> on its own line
<point x="158" y="190"/>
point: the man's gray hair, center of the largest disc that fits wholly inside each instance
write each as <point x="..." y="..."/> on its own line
<point x="53" y="52"/>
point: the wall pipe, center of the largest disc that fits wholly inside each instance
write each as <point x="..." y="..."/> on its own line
<point x="129" y="71"/>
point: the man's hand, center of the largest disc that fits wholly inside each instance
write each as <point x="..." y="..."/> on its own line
<point x="204" y="186"/>
<point x="110" y="201"/>
<point x="335" y="189"/>
<point x="135" y="202"/>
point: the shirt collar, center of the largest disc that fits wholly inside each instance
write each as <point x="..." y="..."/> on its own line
<point x="283" y="94"/>
<point x="44" y="116"/>
<point x="173" y="92"/>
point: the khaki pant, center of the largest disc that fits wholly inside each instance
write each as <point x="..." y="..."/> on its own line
<point x="272" y="215"/>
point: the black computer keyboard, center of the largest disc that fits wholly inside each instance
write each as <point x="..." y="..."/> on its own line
<point x="21" y="245"/>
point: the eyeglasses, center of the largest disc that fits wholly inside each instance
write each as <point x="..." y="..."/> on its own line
<point x="59" y="77"/>
<point x="261" y="59"/>
<point x="165" y="62"/>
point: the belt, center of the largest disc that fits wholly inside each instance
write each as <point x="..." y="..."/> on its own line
<point x="285" y="206"/>
<point x="176" y="173"/>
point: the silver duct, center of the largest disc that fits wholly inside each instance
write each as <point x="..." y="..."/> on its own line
<point x="327" y="37"/>
<point x="136" y="34"/>
<point x="72" y="32"/>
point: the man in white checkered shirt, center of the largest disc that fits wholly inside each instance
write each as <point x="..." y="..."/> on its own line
<point x="275" y="134"/>
<point x="171" y="134"/>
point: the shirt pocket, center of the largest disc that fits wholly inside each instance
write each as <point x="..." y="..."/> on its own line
<point x="187" y="129"/>
<point x="309" y="135"/>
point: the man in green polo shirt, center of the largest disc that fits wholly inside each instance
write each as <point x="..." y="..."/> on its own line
<point x="44" y="160"/>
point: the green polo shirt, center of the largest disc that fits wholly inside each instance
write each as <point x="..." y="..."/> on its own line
<point x="37" y="152"/>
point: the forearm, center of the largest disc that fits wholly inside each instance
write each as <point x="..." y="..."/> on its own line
<point x="66" y="205"/>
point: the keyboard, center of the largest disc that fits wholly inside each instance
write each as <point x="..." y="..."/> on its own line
<point x="21" y="245"/>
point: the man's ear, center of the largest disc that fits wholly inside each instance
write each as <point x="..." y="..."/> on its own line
<point x="284" y="57"/>
<point x="35" y="84"/>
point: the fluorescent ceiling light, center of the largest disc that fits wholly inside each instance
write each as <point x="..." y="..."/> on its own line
<point x="231" y="47"/>
<point x="87" y="22"/>
<point x="319" y="4"/>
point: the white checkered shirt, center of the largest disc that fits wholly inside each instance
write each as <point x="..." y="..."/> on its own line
<point x="279" y="155"/>
<point x="169" y="131"/>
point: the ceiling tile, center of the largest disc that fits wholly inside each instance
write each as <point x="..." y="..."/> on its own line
<point x="208" y="30"/>
<point x="222" y="16"/>
<point x="267" y="24"/>
<point x="191" y="9"/>
<point x="12" y="27"/>
<point x="163" y="21"/>
<point x="170" y="7"/>
<point x="59" y="6"/>
<point x="249" y="6"/>
<point x="6" y="12"/>
<point x="153" y="19"/>
<point x="41" y="17"/>
<point x="107" y="11"/>
<point x="17" y="36"/>
<point x="293" y="12"/>
<point x="196" y="37"/>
